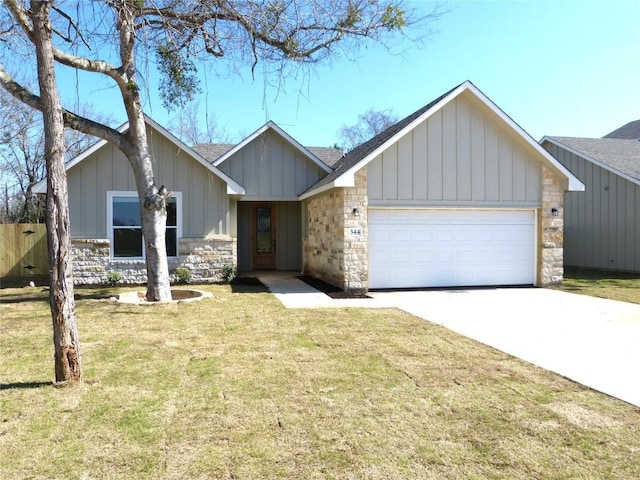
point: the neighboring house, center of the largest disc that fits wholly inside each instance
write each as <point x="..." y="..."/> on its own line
<point x="455" y="194"/>
<point x="602" y="225"/>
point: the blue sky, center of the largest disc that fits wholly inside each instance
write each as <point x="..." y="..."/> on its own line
<point x="566" y="68"/>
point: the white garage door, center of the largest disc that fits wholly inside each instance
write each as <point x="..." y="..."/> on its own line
<point x="447" y="248"/>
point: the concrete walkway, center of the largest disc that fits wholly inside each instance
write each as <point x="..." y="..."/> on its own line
<point x="593" y="341"/>
<point x="294" y="293"/>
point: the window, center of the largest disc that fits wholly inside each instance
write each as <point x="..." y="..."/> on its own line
<point x="125" y="227"/>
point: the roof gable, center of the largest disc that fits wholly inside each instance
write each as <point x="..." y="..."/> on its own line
<point x="359" y="157"/>
<point x="233" y="188"/>
<point x="272" y="126"/>
<point x="619" y="156"/>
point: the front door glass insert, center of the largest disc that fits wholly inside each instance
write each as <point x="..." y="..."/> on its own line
<point x="263" y="229"/>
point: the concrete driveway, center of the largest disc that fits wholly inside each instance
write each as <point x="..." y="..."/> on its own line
<point x="593" y="341"/>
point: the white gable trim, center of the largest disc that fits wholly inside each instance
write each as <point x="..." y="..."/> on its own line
<point x="347" y="178"/>
<point x="271" y="125"/>
<point x="233" y="188"/>
<point x="41" y="186"/>
<point x="575" y="185"/>
<point x="590" y="159"/>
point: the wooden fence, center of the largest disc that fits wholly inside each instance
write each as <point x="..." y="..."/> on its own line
<point x="23" y="250"/>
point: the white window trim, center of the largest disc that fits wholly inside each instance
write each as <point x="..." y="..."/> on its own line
<point x="129" y="193"/>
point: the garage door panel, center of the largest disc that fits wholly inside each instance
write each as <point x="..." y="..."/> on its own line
<point x="450" y="248"/>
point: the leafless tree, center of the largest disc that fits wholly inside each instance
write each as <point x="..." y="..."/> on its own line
<point x="369" y="124"/>
<point x="68" y="357"/>
<point x="187" y="125"/>
<point x="22" y="162"/>
<point x="107" y="38"/>
<point x="21" y="159"/>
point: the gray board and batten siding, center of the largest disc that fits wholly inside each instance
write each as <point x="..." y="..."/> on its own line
<point x="457" y="157"/>
<point x="270" y="169"/>
<point x="205" y="207"/>
<point x="288" y="234"/>
<point x="601" y="224"/>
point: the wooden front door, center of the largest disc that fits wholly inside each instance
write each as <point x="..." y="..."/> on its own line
<point x="263" y="236"/>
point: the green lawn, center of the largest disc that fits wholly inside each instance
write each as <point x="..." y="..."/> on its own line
<point x="621" y="286"/>
<point x="237" y="387"/>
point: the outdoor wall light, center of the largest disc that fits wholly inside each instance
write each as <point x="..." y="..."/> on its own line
<point x="356" y="212"/>
<point x="555" y="212"/>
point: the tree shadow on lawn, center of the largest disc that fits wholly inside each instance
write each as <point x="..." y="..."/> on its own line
<point x="248" y="285"/>
<point x="330" y="290"/>
<point x="24" y="385"/>
<point x="41" y="294"/>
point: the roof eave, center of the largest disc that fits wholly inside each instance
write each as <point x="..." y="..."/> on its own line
<point x="41" y="186"/>
<point x="316" y="191"/>
<point x="590" y="159"/>
<point x="233" y="188"/>
<point x="273" y="126"/>
<point x="574" y="184"/>
<point x="349" y="174"/>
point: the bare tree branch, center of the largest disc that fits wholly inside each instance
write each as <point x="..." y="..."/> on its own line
<point x="71" y="119"/>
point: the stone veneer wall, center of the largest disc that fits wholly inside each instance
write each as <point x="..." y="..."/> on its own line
<point x="204" y="257"/>
<point x="550" y="230"/>
<point x="335" y="242"/>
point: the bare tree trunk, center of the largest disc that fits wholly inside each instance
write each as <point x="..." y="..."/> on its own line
<point x="153" y="211"/>
<point x="68" y="358"/>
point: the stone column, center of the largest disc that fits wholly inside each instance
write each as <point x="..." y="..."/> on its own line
<point x="356" y="238"/>
<point x="550" y="230"/>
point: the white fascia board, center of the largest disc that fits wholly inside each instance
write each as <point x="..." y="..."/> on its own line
<point x="233" y="188"/>
<point x="349" y="174"/>
<point x="316" y="191"/>
<point x="301" y="148"/>
<point x="347" y="179"/>
<point x="41" y="186"/>
<point x="590" y="159"/>
<point x="293" y="142"/>
<point x="242" y="144"/>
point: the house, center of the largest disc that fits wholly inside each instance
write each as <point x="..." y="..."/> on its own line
<point x="455" y="194"/>
<point x="602" y="224"/>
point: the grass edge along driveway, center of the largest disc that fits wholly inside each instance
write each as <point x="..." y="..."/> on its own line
<point x="239" y="387"/>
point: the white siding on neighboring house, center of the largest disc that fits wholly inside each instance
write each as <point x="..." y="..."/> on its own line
<point x="205" y="203"/>
<point x="270" y="169"/>
<point x="601" y="224"/>
<point x="457" y="157"/>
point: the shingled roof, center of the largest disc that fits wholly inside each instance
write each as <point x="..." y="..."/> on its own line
<point x="361" y="151"/>
<point x="213" y="151"/>
<point x="618" y="155"/>
<point x="329" y="155"/>
<point x="630" y="131"/>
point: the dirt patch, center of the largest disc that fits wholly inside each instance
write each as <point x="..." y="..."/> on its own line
<point x="177" y="295"/>
<point x="331" y="290"/>
<point x="247" y="281"/>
